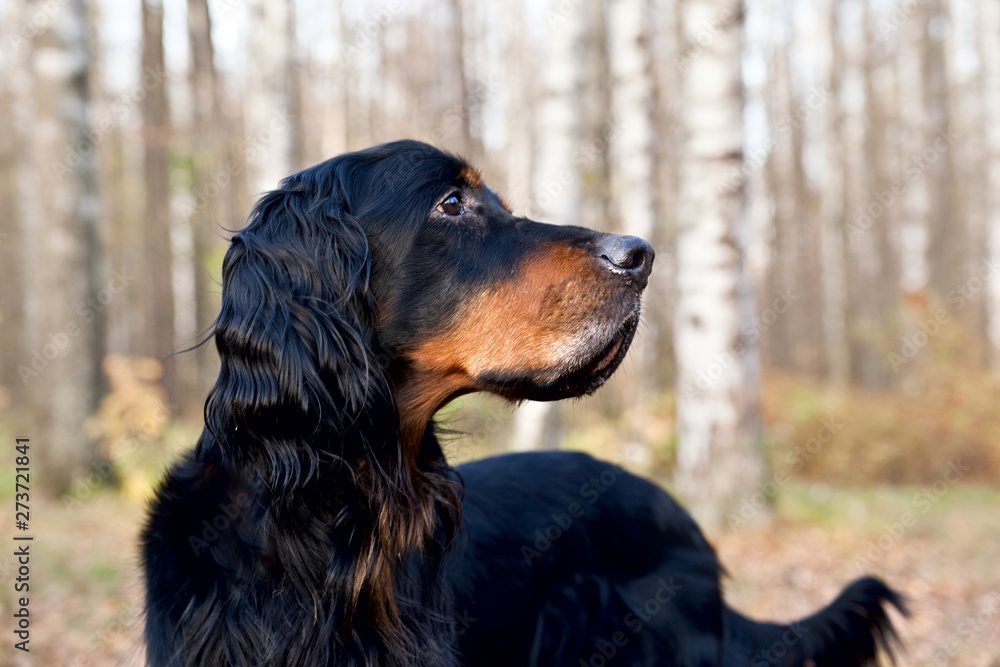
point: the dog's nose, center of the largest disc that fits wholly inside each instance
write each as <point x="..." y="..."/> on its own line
<point x="630" y="255"/>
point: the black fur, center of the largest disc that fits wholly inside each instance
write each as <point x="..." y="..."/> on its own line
<point x="306" y="528"/>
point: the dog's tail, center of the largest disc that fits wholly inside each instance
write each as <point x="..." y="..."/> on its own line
<point x="851" y="631"/>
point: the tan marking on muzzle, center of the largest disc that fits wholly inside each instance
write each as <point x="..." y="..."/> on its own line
<point x="529" y="323"/>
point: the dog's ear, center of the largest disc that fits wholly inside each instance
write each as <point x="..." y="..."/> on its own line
<point x="304" y="396"/>
<point x="296" y="337"/>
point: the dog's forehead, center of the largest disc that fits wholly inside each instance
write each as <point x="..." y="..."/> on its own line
<point x="470" y="177"/>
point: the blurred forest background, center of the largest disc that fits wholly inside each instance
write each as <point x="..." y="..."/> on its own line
<point x="820" y="356"/>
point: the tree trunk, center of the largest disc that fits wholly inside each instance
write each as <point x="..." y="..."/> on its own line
<point x="878" y="266"/>
<point x="520" y="151"/>
<point x="558" y="188"/>
<point x="11" y="251"/>
<point x="632" y="157"/>
<point x="869" y="261"/>
<point x="718" y="461"/>
<point x="210" y="180"/>
<point x="272" y="110"/>
<point x="661" y="302"/>
<point x="63" y="269"/>
<point x="784" y="335"/>
<point x="946" y="231"/>
<point x="989" y="25"/>
<point x="835" y="218"/>
<point x="159" y="337"/>
<point x="464" y="144"/>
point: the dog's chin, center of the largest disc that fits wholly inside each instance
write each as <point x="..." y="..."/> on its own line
<point x="582" y="375"/>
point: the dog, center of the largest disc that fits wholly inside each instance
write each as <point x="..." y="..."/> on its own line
<point x="317" y="521"/>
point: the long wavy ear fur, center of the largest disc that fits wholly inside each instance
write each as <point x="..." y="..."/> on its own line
<point x="296" y="341"/>
<point x="303" y="411"/>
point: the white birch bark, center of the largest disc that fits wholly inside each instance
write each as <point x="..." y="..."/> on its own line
<point x="59" y="220"/>
<point x="989" y="24"/>
<point x="519" y="96"/>
<point x="557" y="179"/>
<point x="632" y="161"/>
<point x="271" y="109"/>
<point x="718" y="463"/>
<point x="834" y="282"/>
<point x="557" y="186"/>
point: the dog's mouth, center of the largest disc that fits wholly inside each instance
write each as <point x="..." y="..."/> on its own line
<point x="597" y="371"/>
<point x="579" y="379"/>
<point x="612" y="356"/>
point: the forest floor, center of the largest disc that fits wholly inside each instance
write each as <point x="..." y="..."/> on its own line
<point x="86" y="591"/>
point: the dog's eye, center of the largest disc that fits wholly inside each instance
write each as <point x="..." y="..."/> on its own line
<point x="451" y="206"/>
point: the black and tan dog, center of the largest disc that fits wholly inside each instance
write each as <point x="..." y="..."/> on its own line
<point x="317" y="521"/>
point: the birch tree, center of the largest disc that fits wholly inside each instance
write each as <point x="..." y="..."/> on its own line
<point x="871" y="259"/>
<point x="834" y="214"/>
<point x="718" y="463"/>
<point x="11" y="316"/>
<point x="519" y="95"/>
<point x="209" y="154"/>
<point x="945" y="230"/>
<point x="989" y="26"/>
<point x="158" y="283"/>
<point x="461" y="84"/>
<point x="63" y="265"/>
<point x="632" y="157"/>
<point x="558" y="187"/>
<point x="272" y="121"/>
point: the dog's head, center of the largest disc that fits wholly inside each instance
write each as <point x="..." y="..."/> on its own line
<point x="395" y="275"/>
<point x="474" y="298"/>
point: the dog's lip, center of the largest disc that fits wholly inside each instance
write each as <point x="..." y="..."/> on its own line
<point x="586" y="376"/>
<point x="605" y="362"/>
<point x="609" y="357"/>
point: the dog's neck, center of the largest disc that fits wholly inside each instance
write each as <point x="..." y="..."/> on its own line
<point x="419" y="395"/>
